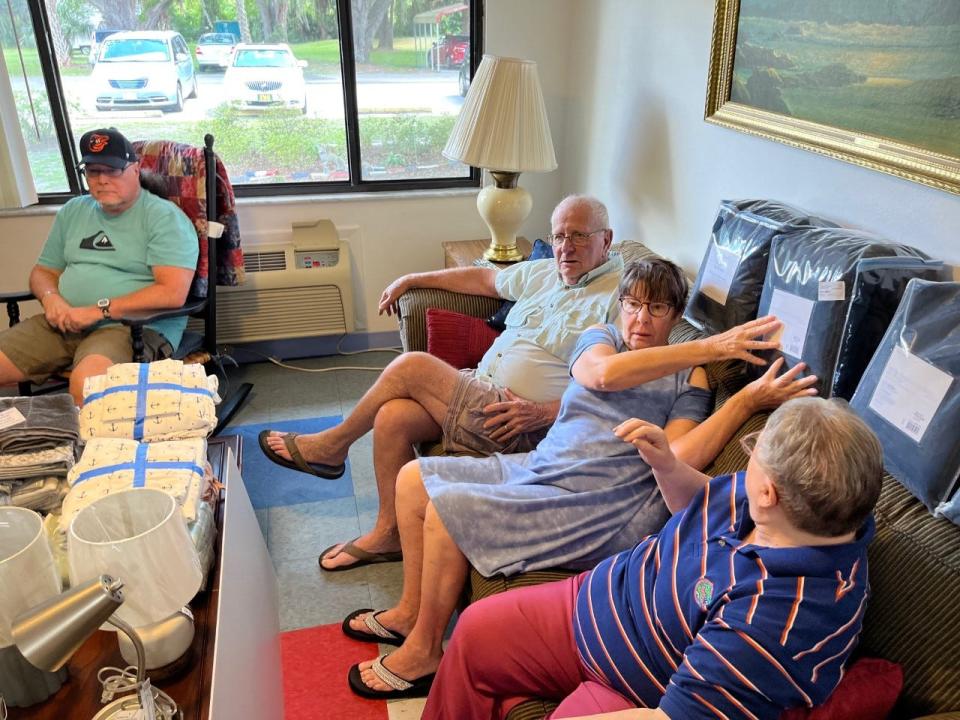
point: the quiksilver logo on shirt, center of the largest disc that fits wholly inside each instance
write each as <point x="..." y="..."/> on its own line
<point x="97" y="241"/>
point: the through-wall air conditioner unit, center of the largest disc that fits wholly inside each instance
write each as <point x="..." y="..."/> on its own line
<point x="295" y="289"/>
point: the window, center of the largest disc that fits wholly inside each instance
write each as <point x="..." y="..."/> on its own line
<point x="294" y="107"/>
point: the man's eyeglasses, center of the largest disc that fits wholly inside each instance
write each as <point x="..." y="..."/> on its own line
<point x="634" y="306"/>
<point x="749" y="442"/>
<point x="92" y="171"/>
<point x="577" y="239"/>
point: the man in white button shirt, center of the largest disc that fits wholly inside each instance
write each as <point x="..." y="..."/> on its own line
<point x="505" y="405"/>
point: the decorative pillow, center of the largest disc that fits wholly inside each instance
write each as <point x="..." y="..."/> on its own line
<point x="868" y="691"/>
<point x="458" y="339"/>
<point x="498" y="320"/>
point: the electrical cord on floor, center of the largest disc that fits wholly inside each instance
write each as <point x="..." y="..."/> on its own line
<point x="287" y="366"/>
<point x="125" y="681"/>
<point x="340" y="351"/>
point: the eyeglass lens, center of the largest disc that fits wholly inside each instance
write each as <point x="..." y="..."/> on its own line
<point x="578" y="239"/>
<point x="657" y="309"/>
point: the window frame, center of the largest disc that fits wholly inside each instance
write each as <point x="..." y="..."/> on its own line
<point x="356" y="183"/>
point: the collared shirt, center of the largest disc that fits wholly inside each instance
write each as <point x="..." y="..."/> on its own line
<point x="530" y="357"/>
<point x="701" y="624"/>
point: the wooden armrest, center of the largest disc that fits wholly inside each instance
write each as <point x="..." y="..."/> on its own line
<point x="413" y="312"/>
<point x="15" y="297"/>
<point x="143" y="317"/>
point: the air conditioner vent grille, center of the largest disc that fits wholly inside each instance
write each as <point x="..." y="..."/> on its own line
<point x="264" y="261"/>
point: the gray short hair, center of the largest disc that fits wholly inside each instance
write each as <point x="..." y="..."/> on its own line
<point x="826" y="463"/>
<point x="660" y="279"/>
<point x="598" y="211"/>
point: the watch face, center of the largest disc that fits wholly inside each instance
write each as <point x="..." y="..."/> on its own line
<point x="103" y="303"/>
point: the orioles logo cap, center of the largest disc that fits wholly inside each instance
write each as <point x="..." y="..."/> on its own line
<point x="106" y="146"/>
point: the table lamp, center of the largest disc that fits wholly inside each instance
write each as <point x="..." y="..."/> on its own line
<point x="503" y="128"/>
<point x="50" y="633"/>
<point x="28" y="576"/>
<point x="140" y="535"/>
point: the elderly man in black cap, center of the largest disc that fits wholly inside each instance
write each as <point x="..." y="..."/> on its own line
<point x="115" y="251"/>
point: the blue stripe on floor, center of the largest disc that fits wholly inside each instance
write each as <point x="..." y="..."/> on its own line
<point x="270" y="485"/>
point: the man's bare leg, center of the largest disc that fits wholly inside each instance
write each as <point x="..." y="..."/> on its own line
<point x="399" y="426"/>
<point x="89" y="366"/>
<point x="444" y="573"/>
<point x="414" y="375"/>
<point x="10" y="374"/>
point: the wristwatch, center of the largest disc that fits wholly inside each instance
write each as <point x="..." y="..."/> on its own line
<point x="104" y="305"/>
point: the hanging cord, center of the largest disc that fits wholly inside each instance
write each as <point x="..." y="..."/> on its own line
<point x="3" y="709"/>
<point x="23" y="69"/>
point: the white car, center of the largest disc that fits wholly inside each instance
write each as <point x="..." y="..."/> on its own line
<point x="261" y="77"/>
<point x="214" y="50"/>
<point x="142" y="69"/>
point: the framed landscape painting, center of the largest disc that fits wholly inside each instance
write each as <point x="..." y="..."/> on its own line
<point x="874" y="83"/>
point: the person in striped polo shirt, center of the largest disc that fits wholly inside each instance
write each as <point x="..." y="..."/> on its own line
<point x="748" y="602"/>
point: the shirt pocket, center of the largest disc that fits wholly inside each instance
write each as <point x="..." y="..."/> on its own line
<point x="525" y="317"/>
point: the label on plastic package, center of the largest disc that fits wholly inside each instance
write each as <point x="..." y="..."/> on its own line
<point x="794" y="312"/>
<point x="718" y="273"/>
<point x="831" y="290"/>
<point x="10" y="417"/>
<point x="909" y="393"/>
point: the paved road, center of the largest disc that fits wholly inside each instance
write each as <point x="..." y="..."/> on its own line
<point x="385" y="92"/>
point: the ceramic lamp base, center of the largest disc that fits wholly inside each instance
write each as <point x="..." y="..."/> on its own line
<point x="504" y="210"/>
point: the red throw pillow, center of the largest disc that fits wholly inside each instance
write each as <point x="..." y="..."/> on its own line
<point x="868" y="691"/>
<point x="460" y="340"/>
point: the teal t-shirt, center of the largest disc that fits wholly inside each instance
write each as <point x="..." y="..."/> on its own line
<point x="101" y="255"/>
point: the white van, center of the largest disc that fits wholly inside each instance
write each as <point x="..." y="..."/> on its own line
<point x="143" y="68"/>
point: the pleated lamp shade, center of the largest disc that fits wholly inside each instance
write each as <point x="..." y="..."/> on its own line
<point x="503" y="123"/>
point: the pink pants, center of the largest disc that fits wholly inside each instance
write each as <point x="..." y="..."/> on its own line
<point x="516" y="645"/>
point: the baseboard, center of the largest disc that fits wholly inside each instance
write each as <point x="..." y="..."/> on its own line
<point x="295" y="348"/>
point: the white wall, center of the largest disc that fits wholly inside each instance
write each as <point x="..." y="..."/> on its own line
<point x="635" y="133"/>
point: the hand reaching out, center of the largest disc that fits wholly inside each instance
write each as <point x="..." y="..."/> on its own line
<point x="740" y="342"/>
<point x="770" y="391"/>
<point x="650" y="441"/>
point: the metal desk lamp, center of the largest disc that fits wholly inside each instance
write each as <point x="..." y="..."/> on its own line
<point x="50" y="633"/>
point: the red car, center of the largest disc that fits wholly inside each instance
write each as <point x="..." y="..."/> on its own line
<point x="450" y="52"/>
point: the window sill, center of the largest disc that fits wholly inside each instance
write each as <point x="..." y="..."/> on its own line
<point x="276" y="200"/>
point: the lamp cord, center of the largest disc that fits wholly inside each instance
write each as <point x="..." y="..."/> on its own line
<point x="125" y="681"/>
<point x="3" y="709"/>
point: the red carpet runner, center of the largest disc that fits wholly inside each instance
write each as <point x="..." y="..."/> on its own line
<point x="315" y="665"/>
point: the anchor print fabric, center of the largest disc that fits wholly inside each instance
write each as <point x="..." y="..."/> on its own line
<point x="163" y="400"/>
<point x="109" y="465"/>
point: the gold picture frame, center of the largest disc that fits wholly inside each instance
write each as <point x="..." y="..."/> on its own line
<point x="912" y="162"/>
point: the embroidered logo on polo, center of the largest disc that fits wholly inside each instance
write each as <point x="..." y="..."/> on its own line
<point x="703" y="593"/>
<point x="97" y="241"/>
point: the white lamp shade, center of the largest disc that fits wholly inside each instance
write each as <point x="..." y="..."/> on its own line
<point x="137" y="536"/>
<point x="503" y="123"/>
<point x="28" y="575"/>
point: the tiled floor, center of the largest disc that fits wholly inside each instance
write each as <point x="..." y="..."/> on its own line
<point x="296" y="534"/>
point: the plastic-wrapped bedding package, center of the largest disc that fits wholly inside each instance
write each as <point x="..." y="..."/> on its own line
<point x="727" y="289"/>
<point x="874" y="298"/>
<point x="810" y="277"/>
<point x="910" y="395"/>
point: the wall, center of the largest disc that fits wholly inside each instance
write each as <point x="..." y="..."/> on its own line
<point x="394" y="235"/>
<point x="636" y="136"/>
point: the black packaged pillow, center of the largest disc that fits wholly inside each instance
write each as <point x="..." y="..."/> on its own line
<point x="540" y="251"/>
<point x="910" y="395"/>
<point x="727" y="289"/>
<point x="876" y="293"/>
<point x="810" y="277"/>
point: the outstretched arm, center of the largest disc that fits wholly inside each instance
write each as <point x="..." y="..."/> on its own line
<point x="602" y="368"/>
<point x="471" y="281"/>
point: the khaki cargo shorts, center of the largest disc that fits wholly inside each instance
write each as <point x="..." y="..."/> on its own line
<point x="39" y="350"/>
<point x="463" y="430"/>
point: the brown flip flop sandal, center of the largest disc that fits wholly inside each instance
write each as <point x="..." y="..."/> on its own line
<point x="364" y="557"/>
<point x="328" y="472"/>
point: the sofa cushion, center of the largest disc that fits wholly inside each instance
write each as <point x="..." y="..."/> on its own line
<point x="868" y="691"/>
<point x="912" y="614"/>
<point x="458" y="339"/>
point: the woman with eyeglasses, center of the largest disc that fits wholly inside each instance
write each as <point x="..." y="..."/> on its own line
<point x="748" y="603"/>
<point x="583" y="493"/>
